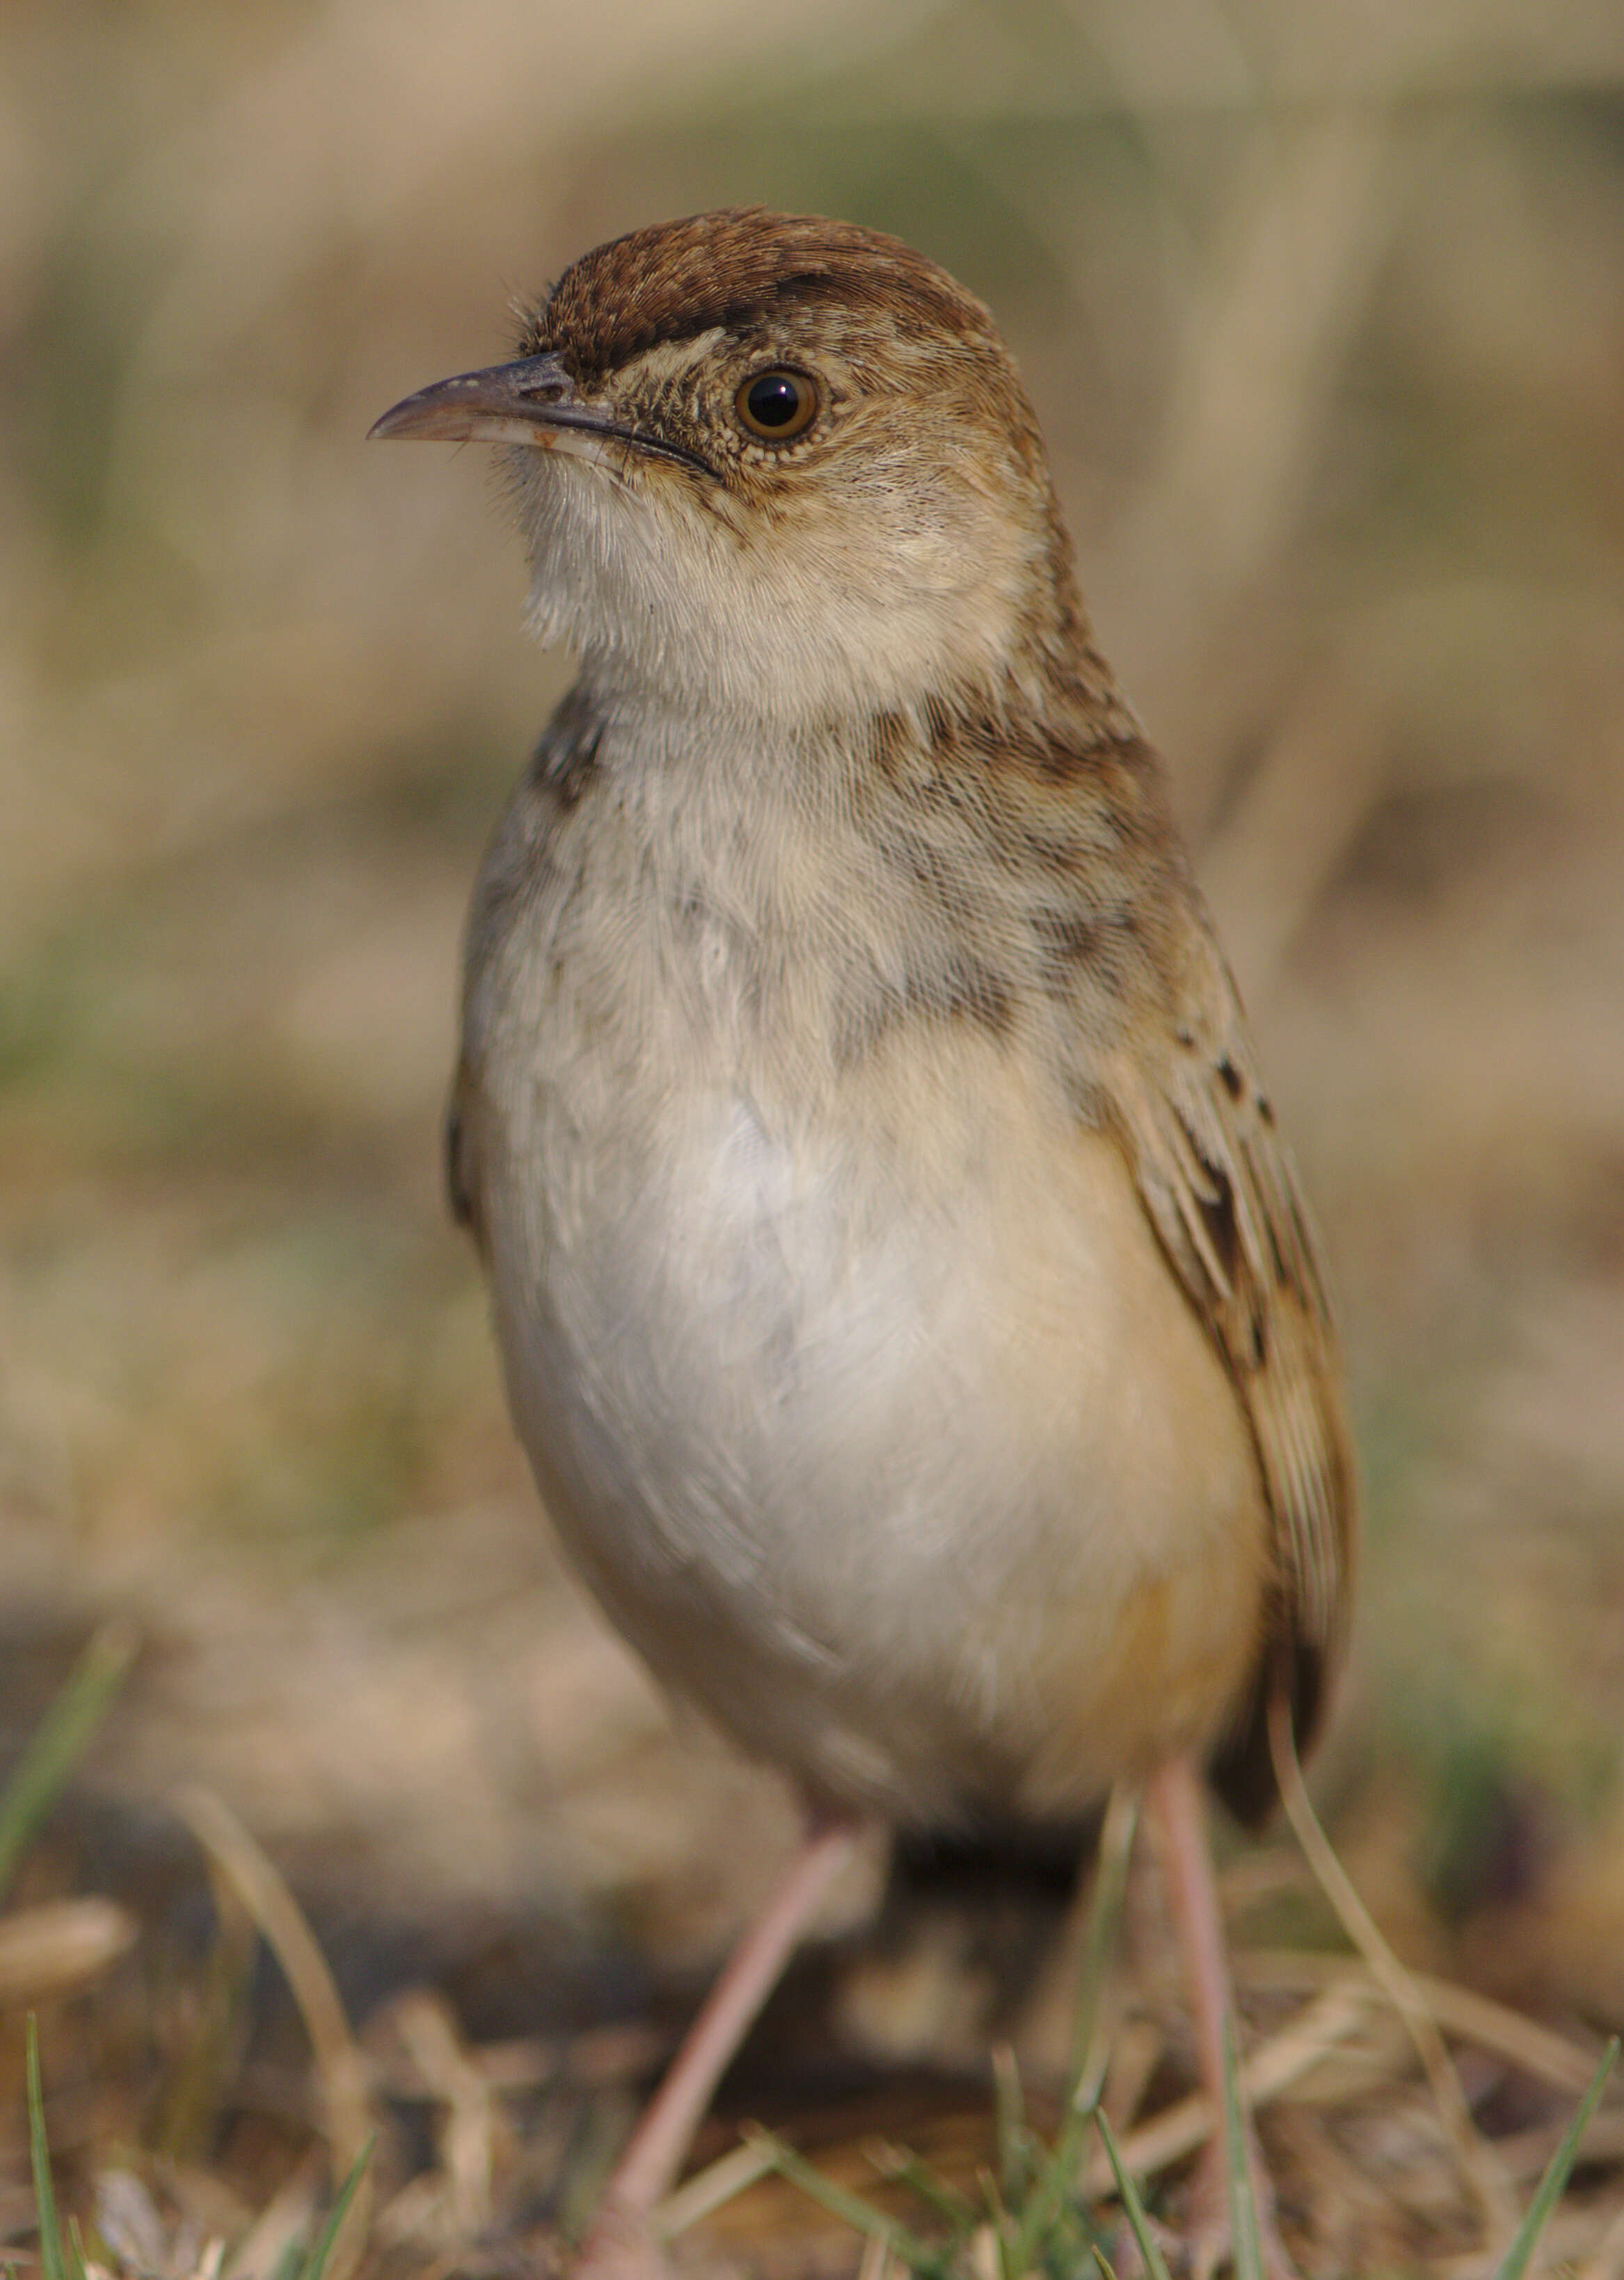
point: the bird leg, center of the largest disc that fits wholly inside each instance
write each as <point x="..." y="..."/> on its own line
<point x="619" y="2244"/>
<point x="1176" y="1806"/>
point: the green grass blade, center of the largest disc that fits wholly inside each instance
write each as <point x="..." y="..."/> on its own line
<point x="316" y="2263"/>
<point x="1553" y="2184"/>
<point x="1127" y="2193"/>
<point x="1245" y="2248"/>
<point x="1110" y="1865"/>
<point x="62" y="1737"/>
<point x="1010" y="2125"/>
<point x="1044" y="2203"/>
<point x="861" y="2215"/>
<point x="53" y="2263"/>
<point x="898" y="2166"/>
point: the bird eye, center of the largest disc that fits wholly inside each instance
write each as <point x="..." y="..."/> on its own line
<point x="777" y="407"/>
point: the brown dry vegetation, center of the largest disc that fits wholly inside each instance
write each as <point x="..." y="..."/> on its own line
<point x="1323" y="309"/>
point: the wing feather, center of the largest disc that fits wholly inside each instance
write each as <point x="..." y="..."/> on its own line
<point x="1222" y="1195"/>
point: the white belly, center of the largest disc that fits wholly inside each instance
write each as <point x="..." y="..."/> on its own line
<point x="903" y="1455"/>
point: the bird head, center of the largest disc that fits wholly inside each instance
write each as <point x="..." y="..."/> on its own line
<point x="772" y="466"/>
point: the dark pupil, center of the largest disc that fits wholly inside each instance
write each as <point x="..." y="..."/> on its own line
<point x="774" y="400"/>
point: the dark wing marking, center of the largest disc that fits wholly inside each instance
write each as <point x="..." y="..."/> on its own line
<point x="1222" y="1195"/>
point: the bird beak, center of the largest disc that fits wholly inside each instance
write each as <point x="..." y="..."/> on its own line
<point x="532" y="401"/>
<point x="529" y="402"/>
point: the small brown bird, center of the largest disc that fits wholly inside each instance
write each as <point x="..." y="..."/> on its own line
<point x="907" y="1305"/>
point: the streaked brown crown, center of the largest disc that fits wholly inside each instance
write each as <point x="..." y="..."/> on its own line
<point x="740" y="267"/>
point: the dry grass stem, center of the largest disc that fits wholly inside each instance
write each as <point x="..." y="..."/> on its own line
<point x="473" y="2128"/>
<point x="1606" y="2257"/>
<point x="341" y="2068"/>
<point x="1270" y="2070"/>
<point x="59" y="1948"/>
<point x="1539" y="2050"/>
<point x="1496" y="2202"/>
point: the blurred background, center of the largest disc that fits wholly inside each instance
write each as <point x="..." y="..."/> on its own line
<point x="1321" y="304"/>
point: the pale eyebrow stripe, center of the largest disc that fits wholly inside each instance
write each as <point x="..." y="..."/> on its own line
<point x="670" y="359"/>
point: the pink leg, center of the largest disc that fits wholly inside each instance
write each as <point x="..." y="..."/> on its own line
<point x="619" y="2246"/>
<point x="1177" y="1807"/>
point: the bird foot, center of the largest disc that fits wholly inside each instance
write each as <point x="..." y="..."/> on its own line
<point x="620" y="2247"/>
<point x="1127" y="2259"/>
<point x="1198" y="2252"/>
<point x="1209" y="2229"/>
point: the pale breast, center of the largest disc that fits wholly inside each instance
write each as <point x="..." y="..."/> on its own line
<point x="869" y="1408"/>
